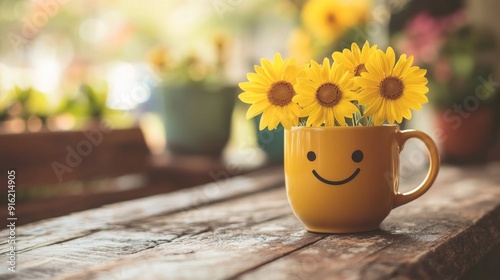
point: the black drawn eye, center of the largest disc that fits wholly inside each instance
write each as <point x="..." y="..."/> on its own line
<point x="357" y="156"/>
<point x="311" y="156"/>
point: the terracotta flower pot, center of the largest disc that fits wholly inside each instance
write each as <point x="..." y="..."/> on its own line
<point x="467" y="137"/>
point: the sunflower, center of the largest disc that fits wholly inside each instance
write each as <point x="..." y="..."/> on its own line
<point x="329" y="19"/>
<point x="325" y="94"/>
<point x="389" y="89"/>
<point x="355" y="59"/>
<point x="158" y="57"/>
<point x="270" y="91"/>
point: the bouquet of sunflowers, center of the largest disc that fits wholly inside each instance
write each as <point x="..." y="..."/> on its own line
<point x="361" y="87"/>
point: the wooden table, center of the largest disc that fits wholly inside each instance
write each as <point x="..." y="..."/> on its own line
<point x="243" y="228"/>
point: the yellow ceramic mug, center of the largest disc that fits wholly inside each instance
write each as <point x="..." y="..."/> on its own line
<point x="345" y="179"/>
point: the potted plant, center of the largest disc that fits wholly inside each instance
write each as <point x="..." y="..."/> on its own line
<point x="460" y="57"/>
<point x="196" y="102"/>
<point x="341" y="161"/>
<point x="24" y="109"/>
<point x="466" y="98"/>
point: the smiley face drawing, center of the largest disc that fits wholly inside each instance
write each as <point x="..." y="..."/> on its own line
<point x="357" y="156"/>
<point x="346" y="179"/>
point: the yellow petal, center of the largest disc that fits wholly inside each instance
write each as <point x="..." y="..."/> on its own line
<point x="263" y="121"/>
<point x="268" y="68"/>
<point x="256" y="78"/>
<point x="250" y="98"/>
<point x="356" y="52"/>
<point x="325" y="70"/>
<point x="256" y="109"/>
<point x="277" y="62"/>
<point x="389" y="61"/>
<point x="253" y="87"/>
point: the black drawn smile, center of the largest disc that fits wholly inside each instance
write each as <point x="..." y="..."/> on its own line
<point x="336" y="183"/>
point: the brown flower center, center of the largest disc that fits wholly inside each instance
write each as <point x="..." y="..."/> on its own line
<point x="391" y="88"/>
<point x="359" y="69"/>
<point x="328" y="95"/>
<point x="281" y="93"/>
<point x="330" y="19"/>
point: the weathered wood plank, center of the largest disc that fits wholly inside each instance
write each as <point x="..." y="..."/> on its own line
<point x="81" y="152"/>
<point x="237" y="250"/>
<point x="258" y="224"/>
<point x="102" y="246"/>
<point x="256" y="236"/>
<point x="69" y="227"/>
<point x="439" y="236"/>
<point x="166" y="174"/>
<point x="436" y="237"/>
<point x="33" y="211"/>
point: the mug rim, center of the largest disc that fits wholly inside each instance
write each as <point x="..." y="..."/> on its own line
<point x="323" y="128"/>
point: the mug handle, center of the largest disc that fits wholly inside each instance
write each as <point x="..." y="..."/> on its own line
<point x="402" y="137"/>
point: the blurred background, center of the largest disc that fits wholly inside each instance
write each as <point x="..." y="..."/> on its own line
<point x="172" y="67"/>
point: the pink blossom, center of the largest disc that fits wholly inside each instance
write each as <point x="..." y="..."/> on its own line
<point x="426" y="34"/>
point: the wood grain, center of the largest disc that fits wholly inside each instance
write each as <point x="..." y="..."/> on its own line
<point x="259" y="224"/>
<point x="237" y="233"/>
<point x="432" y="239"/>
<point x="115" y="153"/>
<point x="83" y="223"/>
<point x="165" y="174"/>
<point x="32" y="211"/>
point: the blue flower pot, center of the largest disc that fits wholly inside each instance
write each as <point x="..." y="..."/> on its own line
<point x="197" y="118"/>
<point x="271" y="142"/>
